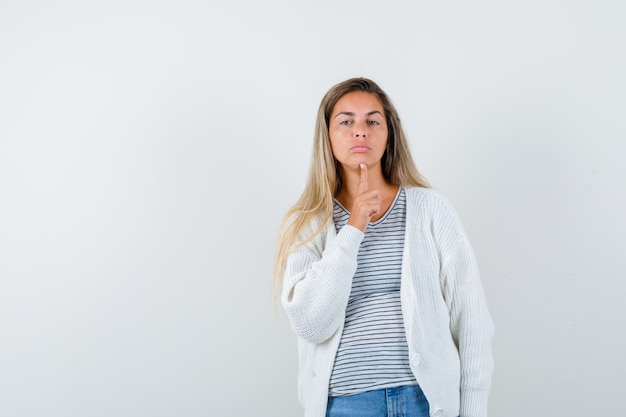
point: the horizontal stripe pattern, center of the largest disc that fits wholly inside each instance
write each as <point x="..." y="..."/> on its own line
<point x="373" y="351"/>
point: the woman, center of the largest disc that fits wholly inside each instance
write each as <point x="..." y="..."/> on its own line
<point x="377" y="277"/>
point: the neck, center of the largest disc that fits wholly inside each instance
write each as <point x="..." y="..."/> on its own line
<point x="350" y="183"/>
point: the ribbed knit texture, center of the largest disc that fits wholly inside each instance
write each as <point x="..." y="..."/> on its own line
<point x="448" y="327"/>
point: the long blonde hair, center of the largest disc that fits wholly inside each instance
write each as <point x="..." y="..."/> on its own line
<point x="324" y="180"/>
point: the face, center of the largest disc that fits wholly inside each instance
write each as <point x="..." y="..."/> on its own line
<point x="358" y="130"/>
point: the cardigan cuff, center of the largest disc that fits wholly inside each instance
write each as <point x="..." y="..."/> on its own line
<point x="349" y="239"/>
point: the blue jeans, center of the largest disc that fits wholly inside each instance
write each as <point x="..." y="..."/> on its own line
<point x="406" y="401"/>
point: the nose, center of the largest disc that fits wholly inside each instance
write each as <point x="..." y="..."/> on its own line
<point x="359" y="130"/>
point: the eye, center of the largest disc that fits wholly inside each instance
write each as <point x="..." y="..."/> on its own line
<point x="345" y="122"/>
<point x="373" y="123"/>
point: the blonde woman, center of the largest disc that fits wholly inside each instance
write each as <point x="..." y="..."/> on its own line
<point x="377" y="276"/>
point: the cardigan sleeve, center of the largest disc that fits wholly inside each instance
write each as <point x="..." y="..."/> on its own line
<point x="470" y="323"/>
<point x="317" y="283"/>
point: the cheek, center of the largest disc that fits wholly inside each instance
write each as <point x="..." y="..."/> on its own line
<point x="333" y="144"/>
<point x="383" y="144"/>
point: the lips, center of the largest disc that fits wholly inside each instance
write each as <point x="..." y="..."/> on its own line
<point x="360" y="148"/>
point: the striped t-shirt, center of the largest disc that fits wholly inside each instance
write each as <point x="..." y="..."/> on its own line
<point x="373" y="351"/>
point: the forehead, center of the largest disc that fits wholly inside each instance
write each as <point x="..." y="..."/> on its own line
<point x="356" y="101"/>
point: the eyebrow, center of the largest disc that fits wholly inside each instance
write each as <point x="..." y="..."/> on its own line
<point x="349" y="113"/>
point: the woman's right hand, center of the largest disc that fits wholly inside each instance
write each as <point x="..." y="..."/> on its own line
<point x="366" y="204"/>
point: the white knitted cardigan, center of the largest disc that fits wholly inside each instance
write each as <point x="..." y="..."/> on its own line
<point x="448" y="327"/>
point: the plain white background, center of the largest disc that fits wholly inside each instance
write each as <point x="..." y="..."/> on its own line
<point x="148" y="151"/>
